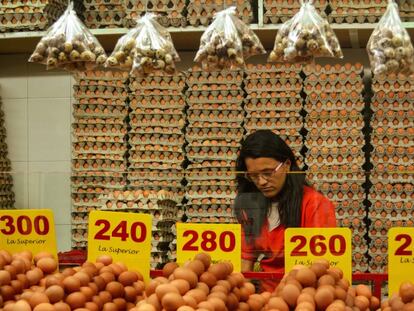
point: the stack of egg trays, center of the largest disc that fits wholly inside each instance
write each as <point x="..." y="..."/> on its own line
<point x="7" y="197"/>
<point x="406" y="10"/>
<point x="170" y="12"/>
<point x="162" y="206"/>
<point x="274" y="102"/>
<point x="392" y="191"/>
<point x="215" y="115"/>
<point x="334" y="141"/>
<point x="279" y="11"/>
<point x="156" y="140"/>
<point x="103" y="13"/>
<point x="25" y="15"/>
<point x="201" y="12"/>
<point x="99" y="144"/>
<point x="356" y="11"/>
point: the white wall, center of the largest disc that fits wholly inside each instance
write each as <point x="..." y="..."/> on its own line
<point x="37" y="107"/>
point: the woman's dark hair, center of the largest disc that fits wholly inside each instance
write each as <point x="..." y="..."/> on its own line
<point x="251" y="206"/>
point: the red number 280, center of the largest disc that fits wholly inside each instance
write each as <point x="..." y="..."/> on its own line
<point x="226" y="241"/>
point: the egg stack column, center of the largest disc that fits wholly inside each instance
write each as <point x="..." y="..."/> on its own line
<point x="280" y="11"/>
<point x="202" y="12"/>
<point x="98" y="144"/>
<point x="103" y="14"/>
<point x="392" y="191"/>
<point x="215" y="117"/>
<point x="7" y="197"/>
<point x="170" y="12"/>
<point x="274" y="102"/>
<point x="334" y="143"/>
<point x="367" y="11"/>
<point x="156" y="153"/>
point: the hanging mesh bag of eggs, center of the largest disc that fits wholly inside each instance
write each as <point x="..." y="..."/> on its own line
<point x="146" y="49"/>
<point x="69" y="45"/>
<point x="227" y="43"/>
<point x="389" y="48"/>
<point x="305" y="36"/>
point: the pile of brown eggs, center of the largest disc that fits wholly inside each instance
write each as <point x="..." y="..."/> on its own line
<point x="320" y="287"/>
<point x="200" y="285"/>
<point x="98" y="145"/>
<point x="104" y="285"/>
<point x="215" y="117"/>
<point x="277" y="109"/>
<point x="334" y="141"/>
<point x="392" y="158"/>
<point x="404" y="300"/>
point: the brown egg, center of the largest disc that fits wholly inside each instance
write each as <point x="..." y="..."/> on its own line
<point x="374" y="303"/>
<point x="256" y="302"/>
<point x="116" y="289"/>
<point x="190" y="301"/>
<point x="154" y="301"/>
<point x="120" y="303"/>
<point x="186" y="274"/>
<point x="68" y="271"/>
<point x="185" y="308"/>
<point x="326" y="280"/>
<point x="88" y="292"/>
<point x="98" y="301"/>
<point x="5" y="277"/>
<point x="41" y="255"/>
<point x="172" y="301"/>
<point x="127" y="278"/>
<point x="105" y="259"/>
<point x="146" y="307"/>
<point x="109" y="306"/>
<point x="203" y="287"/>
<point x="205" y="259"/>
<point x="130" y="293"/>
<point x="324" y="296"/>
<point x="12" y="271"/>
<point x="205" y="305"/>
<point x="47" y="265"/>
<point x="107" y="277"/>
<point x="139" y="286"/>
<point x="306" y="277"/>
<point x="163" y="289"/>
<point x="22" y="305"/>
<point x="83" y="277"/>
<point x="198" y="294"/>
<point x="38" y="298"/>
<point x="71" y="284"/>
<point x="44" y="307"/>
<point x="208" y="278"/>
<point x="182" y="285"/>
<point x="150" y="289"/>
<point x="340" y="293"/>
<point x="217" y="304"/>
<point x="319" y="269"/>
<point x="53" y="280"/>
<point x="91" y="306"/>
<point x="169" y="269"/>
<point x="406" y="292"/>
<point x="219" y="295"/>
<point x="290" y="294"/>
<point x="363" y="290"/>
<point x="61" y="306"/>
<point x="55" y="293"/>
<point x="243" y="306"/>
<point x="305" y="297"/>
<point x="76" y="300"/>
<point x="361" y="302"/>
<point x="196" y="265"/>
<point x="305" y="306"/>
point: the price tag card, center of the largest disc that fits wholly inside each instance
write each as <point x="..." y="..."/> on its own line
<point x="29" y="229"/>
<point x="400" y="257"/>
<point x="221" y="241"/>
<point x="126" y="237"/>
<point x="304" y="245"/>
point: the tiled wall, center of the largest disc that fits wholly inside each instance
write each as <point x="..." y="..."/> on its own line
<point x="37" y="107"/>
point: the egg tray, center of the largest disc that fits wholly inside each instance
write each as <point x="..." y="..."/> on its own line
<point x="197" y="211"/>
<point x="23" y="22"/>
<point x="401" y="124"/>
<point x="393" y="97"/>
<point x="149" y="156"/>
<point x="212" y="219"/>
<point x="103" y="91"/>
<point x="99" y="165"/>
<point x="209" y="175"/>
<point x="99" y="147"/>
<point x="339" y="196"/>
<point x="260" y="123"/>
<point x="98" y="122"/>
<point x="103" y="7"/>
<point x="157" y="102"/>
<point x="337" y="176"/>
<point x="155" y="147"/>
<point x="215" y="116"/>
<point x="384" y="205"/>
<point x="100" y="111"/>
<point x="198" y="76"/>
<point x="333" y="87"/>
<point x="362" y="16"/>
<point x="389" y="196"/>
<point x="397" y="86"/>
<point x="280" y="76"/>
<point x="348" y="105"/>
<point x="335" y="151"/>
<point x="176" y="82"/>
<point x="334" y="141"/>
<point x="214" y="145"/>
<point x="115" y="83"/>
<point x="168" y="216"/>
<point x="391" y="159"/>
<point x="273" y="114"/>
<point x="151" y="115"/>
<point x="285" y="84"/>
<point x="375" y="250"/>
<point x="391" y="114"/>
<point x="103" y="19"/>
<point x="396" y="141"/>
<point x="340" y="159"/>
<point x="216" y="93"/>
<point x="6" y="179"/>
<point x="400" y="130"/>
<point x="391" y="177"/>
<point x="333" y="76"/>
<point x="169" y="185"/>
<point x="216" y="194"/>
<point x="202" y="133"/>
<point x="273" y="104"/>
<point x="198" y="15"/>
<point x="138" y="130"/>
<point x="198" y="98"/>
<point x="102" y="76"/>
<point x="104" y="183"/>
<point x="98" y="156"/>
<point x="393" y="215"/>
<point x="156" y="92"/>
<point x="278" y="16"/>
<point x="140" y="124"/>
<point x="211" y="152"/>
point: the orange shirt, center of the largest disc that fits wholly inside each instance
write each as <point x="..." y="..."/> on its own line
<point x="317" y="211"/>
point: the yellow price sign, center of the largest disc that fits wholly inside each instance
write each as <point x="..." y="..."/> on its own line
<point x="125" y="237"/>
<point x="304" y="245"/>
<point x="221" y="241"/>
<point x="400" y="257"/>
<point x="30" y="229"/>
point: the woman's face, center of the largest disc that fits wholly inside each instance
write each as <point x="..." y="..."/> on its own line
<point x="268" y="174"/>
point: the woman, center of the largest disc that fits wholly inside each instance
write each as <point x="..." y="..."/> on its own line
<point x="273" y="195"/>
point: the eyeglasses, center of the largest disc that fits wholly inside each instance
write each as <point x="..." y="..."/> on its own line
<point x="266" y="175"/>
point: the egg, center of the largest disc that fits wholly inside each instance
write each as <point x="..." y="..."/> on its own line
<point x="38" y="298"/>
<point x="41" y="255"/>
<point x="127" y="278"/>
<point x="172" y="301"/>
<point x="162" y="289"/>
<point x="71" y="284"/>
<point x="208" y="278"/>
<point x="83" y="278"/>
<point x="104" y="259"/>
<point x="55" y="293"/>
<point x="107" y="277"/>
<point x="186" y="274"/>
<point x="120" y="303"/>
<point x="278" y="303"/>
<point x="169" y="268"/>
<point x="182" y="286"/>
<point x="5" y="277"/>
<point x="198" y="294"/>
<point x="109" y="306"/>
<point x="190" y="301"/>
<point x="185" y="308"/>
<point x="362" y="302"/>
<point x="61" y="306"/>
<point x="146" y="307"/>
<point x="290" y="294"/>
<point x="326" y="280"/>
<point x="76" y="300"/>
<point x="196" y="265"/>
<point x="204" y="258"/>
<point x="47" y="264"/>
<point x="44" y="307"/>
<point x="91" y="306"/>
<point x="22" y="305"/>
<point x="105" y="296"/>
<point x="324" y="296"/>
<point x="306" y="277"/>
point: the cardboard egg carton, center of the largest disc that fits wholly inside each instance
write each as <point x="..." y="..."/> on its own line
<point x="335" y="151"/>
<point x="156" y="129"/>
<point x="158" y="82"/>
<point x="406" y="10"/>
<point x="85" y="200"/>
<point x="396" y="140"/>
<point x="356" y="15"/>
<point x="328" y="74"/>
<point x="138" y="161"/>
<point x="343" y="213"/>
<point x="108" y="182"/>
<point x="157" y="101"/>
<point x="262" y="84"/>
<point x="209" y="98"/>
<point x="391" y="159"/>
<point x="195" y="197"/>
<point x="103" y="19"/>
<point x="273" y="114"/>
<point x="274" y="94"/>
<point x="336" y="141"/>
<point x="154" y="175"/>
<point x="215" y="116"/>
<point x="79" y="136"/>
<point x="99" y="165"/>
<point x="154" y="140"/>
<point x="385" y="195"/>
<point x="395" y="99"/>
<point x="318" y="69"/>
<point x="202" y="15"/>
<point x="273" y="70"/>
<point x="214" y="88"/>
<point x="332" y="104"/>
<point x="201" y="133"/>
<point x="173" y="114"/>
<point x="157" y="121"/>
<point x="277" y="15"/>
<point x="266" y="123"/>
<point x="100" y="91"/>
<point x="392" y="177"/>
<point x="227" y="77"/>
<point x="212" y="219"/>
<point x="156" y="92"/>
<point x="99" y="147"/>
<point x="98" y="121"/>
<point x="209" y="174"/>
<point x="324" y="186"/>
<point x="398" y="123"/>
<point x="144" y="147"/>
<point x="216" y="106"/>
<point x="392" y="114"/>
<point x="273" y="104"/>
<point x="195" y="154"/>
<point x="214" y="126"/>
<point x="100" y="111"/>
<point x="208" y="210"/>
<point x="334" y="133"/>
<point x="216" y="191"/>
<point x="166" y="18"/>
<point x="331" y="87"/>
<point x="102" y="76"/>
